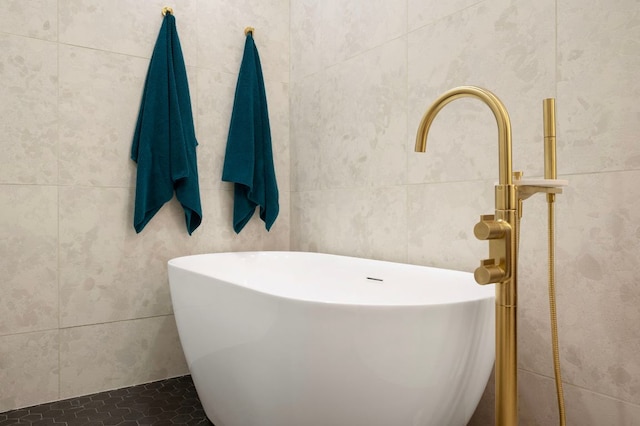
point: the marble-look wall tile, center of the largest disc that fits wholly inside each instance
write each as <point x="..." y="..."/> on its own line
<point x="367" y="223"/>
<point x="221" y="36"/>
<point x="278" y="104"/>
<point x="598" y="89"/>
<point x="362" y="134"/>
<point x="507" y="47"/>
<point x="107" y="271"/>
<point x="441" y="218"/>
<point x="29" y="110"/>
<point x="596" y="284"/>
<point x="28" y="369"/>
<point x="307" y="131"/>
<point x="596" y="242"/>
<point x="35" y="18"/>
<point x="421" y="12"/>
<point x="538" y="405"/>
<point x="28" y="258"/>
<point x="73" y="73"/>
<point x="354" y="27"/>
<point x="309" y="43"/>
<point x="216" y="92"/>
<point x="534" y="335"/>
<point x="598" y="291"/>
<point x="584" y="407"/>
<point x="216" y="233"/>
<point x="327" y="33"/>
<point x="106" y="87"/>
<point x="126" y="27"/>
<point x="118" y="354"/>
<point x="365" y="120"/>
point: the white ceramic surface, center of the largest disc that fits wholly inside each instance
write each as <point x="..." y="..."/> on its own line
<point x="292" y="338"/>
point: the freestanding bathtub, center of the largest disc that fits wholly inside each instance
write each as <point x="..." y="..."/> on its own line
<point x="307" y="339"/>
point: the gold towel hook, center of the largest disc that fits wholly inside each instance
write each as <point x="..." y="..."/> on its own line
<point x="166" y="10"/>
<point x="249" y="30"/>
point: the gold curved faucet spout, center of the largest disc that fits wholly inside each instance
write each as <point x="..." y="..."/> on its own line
<point x="498" y="109"/>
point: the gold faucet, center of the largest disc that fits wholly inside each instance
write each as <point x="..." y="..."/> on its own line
<point x="501" y="230"/>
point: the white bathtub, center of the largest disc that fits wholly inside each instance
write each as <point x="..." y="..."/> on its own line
<point x="307" y="339"/>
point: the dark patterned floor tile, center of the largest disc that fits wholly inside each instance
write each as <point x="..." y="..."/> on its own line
<point x="164" y="403"/>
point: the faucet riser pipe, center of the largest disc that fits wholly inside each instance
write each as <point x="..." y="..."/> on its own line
<point x="506" y="368"/>
<point x="506" y="377"/>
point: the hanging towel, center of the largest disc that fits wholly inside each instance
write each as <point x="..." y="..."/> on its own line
<point x="248" y="161"/>
<point x="164" y="142"/>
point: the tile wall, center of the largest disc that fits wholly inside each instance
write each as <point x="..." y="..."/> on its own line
<point x="84" y="300"/>
<point x="85" y="304"/>
<point x="362" y="75"/>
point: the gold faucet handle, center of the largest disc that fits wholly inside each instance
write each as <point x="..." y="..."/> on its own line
<point x="489" y="272"/>
<point x="489" y="228"/>
<point x="497" y="268"/>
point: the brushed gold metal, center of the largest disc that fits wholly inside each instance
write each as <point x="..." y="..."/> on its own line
<point x="249" y="30"/>
<point x="550" y="172"/>
<point x="500" y="254"/>
<point x="166" y="10"/>
<point x="488" y="228"/>
<point x="555" y="348"/>
<point x="489" y="272"/>
<point x="499" y="111"/>
<point x="549" y="119"/>
<point x="502" y="230"/>
<point x="498" y="267"/>
<point x="501" y="267"/>
<point x="526" y="191"/>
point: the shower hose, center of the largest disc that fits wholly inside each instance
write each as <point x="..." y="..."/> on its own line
<point x="552" y="306"/>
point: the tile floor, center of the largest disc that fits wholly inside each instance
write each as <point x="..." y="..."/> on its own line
<point x="167" y="402"/>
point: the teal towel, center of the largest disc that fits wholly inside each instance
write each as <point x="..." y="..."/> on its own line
<point x="248" y="161"/>
<point x="164" y="142"/>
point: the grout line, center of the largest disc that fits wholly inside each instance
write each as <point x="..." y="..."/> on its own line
<point x="581" y="388"/>
<point x="414" y="184"/>
<point x="58" y="195"/>
<point x="407" y="138"/>
<point x="116" y="321"/>
<point x="59" y="328"/>
<point x="444" y="17"/>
